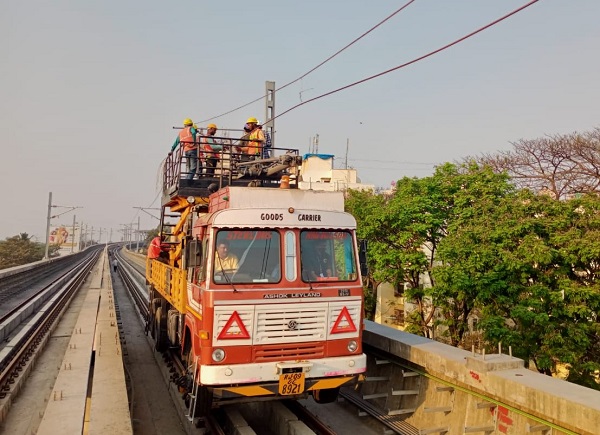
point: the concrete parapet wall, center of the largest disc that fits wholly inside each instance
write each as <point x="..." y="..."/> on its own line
<point x="5" y="273"/>
<point x="471" y="393"/>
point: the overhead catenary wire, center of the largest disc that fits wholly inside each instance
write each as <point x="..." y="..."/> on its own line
<point x="425" y="56"/>
<point x="401" y="162"/>
<point x="397" y="11"/>
<point x="395" y="168"/>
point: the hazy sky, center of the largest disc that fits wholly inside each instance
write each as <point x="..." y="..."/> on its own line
<point x="90" y="90"/>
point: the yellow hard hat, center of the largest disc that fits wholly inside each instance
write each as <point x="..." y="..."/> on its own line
<point x="211" y="126"/>
<point x="187" y="121"/>
<point x="252" y="121"/>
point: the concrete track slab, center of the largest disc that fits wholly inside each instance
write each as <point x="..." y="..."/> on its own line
<point x="109" y="411"/>
<point x="70" y="395"/>
<point x="66" y="407"/>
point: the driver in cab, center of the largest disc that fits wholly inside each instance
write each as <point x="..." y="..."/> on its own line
<point x="317" y="263"/>
<point x="224" y="260"/>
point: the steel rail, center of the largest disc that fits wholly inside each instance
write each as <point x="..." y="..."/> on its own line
<point x="19" y="282"/>
<point x="29" y="343"/>
<point x="398" y="426"/>
<point x="34" y="278"/>
<point x="172" y="361"/>
<point x="140" y="297"/>
<point x="308" y="418"/>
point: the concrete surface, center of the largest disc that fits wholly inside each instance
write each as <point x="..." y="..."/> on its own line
<point x="107" y="411"/>
<point x="522" y="396"/>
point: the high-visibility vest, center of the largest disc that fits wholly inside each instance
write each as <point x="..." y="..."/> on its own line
<point x="254" y="145"/>
<point x="207" y="143"/>
<point x="187" y="139"/>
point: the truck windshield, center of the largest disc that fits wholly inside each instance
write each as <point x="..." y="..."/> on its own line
<point x="247" y="256"/>
<point x="327" y="256"/>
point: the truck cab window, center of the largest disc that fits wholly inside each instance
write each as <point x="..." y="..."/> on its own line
<point x="246" y="256"/>
<point x="327" y="256"/>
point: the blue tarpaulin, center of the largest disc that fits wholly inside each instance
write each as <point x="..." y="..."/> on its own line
<point x="321" y="156"/>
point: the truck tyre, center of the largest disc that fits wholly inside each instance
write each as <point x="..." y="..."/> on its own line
<point x="327" y="395"/>
<point x="160" y="331"/>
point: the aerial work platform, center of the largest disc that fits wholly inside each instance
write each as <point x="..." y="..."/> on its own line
<point x="233" y="169"/>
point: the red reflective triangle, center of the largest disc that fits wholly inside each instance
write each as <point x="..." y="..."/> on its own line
<point x="227" y="334"/>
<point x="350" y="327"/>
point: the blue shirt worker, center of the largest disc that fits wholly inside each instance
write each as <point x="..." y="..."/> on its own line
<point x="187" y="139"/>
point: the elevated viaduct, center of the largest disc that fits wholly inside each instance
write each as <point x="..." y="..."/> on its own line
<point x="440" y="389"/>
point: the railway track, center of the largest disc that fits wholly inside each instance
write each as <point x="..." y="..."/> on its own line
<point x="17" y="285"/>
<point x="30" y="322"/>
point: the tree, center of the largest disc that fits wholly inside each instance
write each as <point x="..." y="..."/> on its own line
<point x="362" y="204"/>
<point x="468" y="192"/>
<point x="561" y="165"/>
<point x="18" y="250"/>
<point x="531" y="264"/>
<point x="152" y="234"/>
<point x="405" y="229"/>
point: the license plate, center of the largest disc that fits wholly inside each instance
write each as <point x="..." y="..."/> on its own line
<point x="291" y="383"/>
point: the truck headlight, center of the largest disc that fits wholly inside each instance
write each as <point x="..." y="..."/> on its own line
<point x="352" y="346"/>
<point x="218" y="355"/>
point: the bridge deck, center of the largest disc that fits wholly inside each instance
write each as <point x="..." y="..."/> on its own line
<point x="462" y="390"/>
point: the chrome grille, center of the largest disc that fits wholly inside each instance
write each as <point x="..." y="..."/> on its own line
<point x="290" y="323"/>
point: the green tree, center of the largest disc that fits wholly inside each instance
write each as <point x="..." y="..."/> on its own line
<point x="405" y="229"/>
<point x="362" y="204"/>
<point x="530" y="264"/>
<point x="20" y="249"/>
<point x="468" y="193"/>
<point x="152" y="234"/>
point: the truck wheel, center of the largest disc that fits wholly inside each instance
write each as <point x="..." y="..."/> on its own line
<point x="204" y="402"/>
<point x="160" y="331"/>
<point x="326" y="395"/>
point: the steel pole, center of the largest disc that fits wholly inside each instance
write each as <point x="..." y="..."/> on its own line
<point x="137" y="247"/>
<point x="73" y="235"/>
<point x="46" y="257"/>
<point x="269" y="124"/>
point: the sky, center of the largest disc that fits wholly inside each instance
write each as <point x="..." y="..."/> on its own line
<point x="90" y="91"/>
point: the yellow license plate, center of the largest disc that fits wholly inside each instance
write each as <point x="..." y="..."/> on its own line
<point x="291" y="383"/>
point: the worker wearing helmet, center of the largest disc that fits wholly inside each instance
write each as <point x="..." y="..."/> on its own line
<point x="211" y="149"/>
<point x="188" y="141"/>
<point x="256" y="138"/>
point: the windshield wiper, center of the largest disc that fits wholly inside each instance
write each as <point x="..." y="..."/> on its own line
<point x="226" y="276"/>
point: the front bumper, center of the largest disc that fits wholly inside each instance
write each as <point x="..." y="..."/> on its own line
<point x="262" y="379"/>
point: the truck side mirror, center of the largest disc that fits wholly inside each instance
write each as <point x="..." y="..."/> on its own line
<point x="362" y="257"/>
<point x="194" y="253"/>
